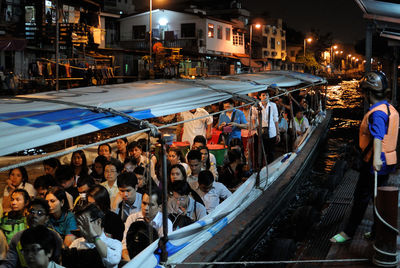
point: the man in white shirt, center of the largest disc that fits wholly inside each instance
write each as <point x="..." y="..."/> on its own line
<point x="89" y="221"/>
<point x="211" y="192"/>
<point x="201" y="126"/>
<point x="150" y="213"/>
<point x="270" y="122"/>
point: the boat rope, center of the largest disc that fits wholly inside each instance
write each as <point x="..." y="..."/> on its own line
<point x="392" y="228"/>
<point x="268" y="262"/>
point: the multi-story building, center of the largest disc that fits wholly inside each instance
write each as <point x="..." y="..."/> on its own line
<point x="205" y="42"/>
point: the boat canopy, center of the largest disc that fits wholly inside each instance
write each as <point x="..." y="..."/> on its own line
<point x="29" y="121"/>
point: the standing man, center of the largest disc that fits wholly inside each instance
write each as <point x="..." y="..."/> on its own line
<point x="201" y="126"/>
<point x="378" y="140"/>
<point x="231" y="122"/>
<point x="270" y="122"/>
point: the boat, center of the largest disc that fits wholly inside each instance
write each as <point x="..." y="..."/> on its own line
<point x="29" y="121"/>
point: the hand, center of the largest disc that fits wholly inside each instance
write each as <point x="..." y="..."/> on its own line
<point x="10" y="186"/>
<point x="89" y="227"/>
<point x="233" y="124"/>
<point x="278" y="138"/>
<point x="377" y="164"/>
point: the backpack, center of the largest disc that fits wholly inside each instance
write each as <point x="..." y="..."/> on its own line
<point x="179" y="220"/>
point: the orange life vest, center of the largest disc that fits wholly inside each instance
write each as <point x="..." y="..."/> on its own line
<point x="389" y="141"/>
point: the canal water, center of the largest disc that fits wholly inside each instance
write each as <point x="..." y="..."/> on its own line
<point x="346" y="103"/>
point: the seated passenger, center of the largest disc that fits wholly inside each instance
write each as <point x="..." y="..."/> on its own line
<point x="181" y="203"/>
<point x="175" y="157"/>
<point x="79" y="165"/>
<point x="61" y="219"/>
<point x="98" y="169"/>
<point x="112" y="223"/>
<point x="233" y="173"/>
<point x="38" y="215"/>
<point x="111" y="173"/>
<point x="42" y="185"/>
<point x="122" y="154"/>
<point x="15" y="220"/>
<point x="199" y="141"/>
<point x="210" y="191"/>
<point x="300" y="125"/>
<point x="135" y="150"/>
<point x="84" y="184"/>
<point x="38" y="247"/>
<point x="150" y="213"/>
<point x="17" y="179"/>
<point x="66" y="178"/>
<point x="206" y="164"/>
<point x="105" y="150"/>
<point x="94" y="248"/>
<point x="128" y="201"/>
<point x="194" y="161"/>
<point x="50" y="166"/>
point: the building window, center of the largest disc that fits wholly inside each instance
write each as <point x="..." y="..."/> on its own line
<point x="282" y="33"/>
<point x="266" y="29"/>
<point x="283" y="44"/>
<point x="188" y="30"/>
<point x="211" y="30"/>
<point x="265" y="42"/>
<point x="139" y="32"/>
<point x="274" y="31"/>
<point x="228" y="34"/>
<point x="219" y="32"/>
<point x="266" y="53"/>
<point x="237" y="39"/>
<point x="292" y="53"/>
<point x="272" y="43"/>
<point x="240" y="39"/>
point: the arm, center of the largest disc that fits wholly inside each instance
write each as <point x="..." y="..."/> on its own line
<point x="116" y="202"/>
<point x="377" y="162"/>
<point x="208" y="133"/>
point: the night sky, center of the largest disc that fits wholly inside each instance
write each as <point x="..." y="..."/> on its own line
<point x="341" y="17"/>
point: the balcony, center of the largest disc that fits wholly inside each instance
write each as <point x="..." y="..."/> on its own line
<point x="188" y="45"/>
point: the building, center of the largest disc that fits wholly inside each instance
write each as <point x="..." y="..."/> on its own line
<point x="208" y="45"/>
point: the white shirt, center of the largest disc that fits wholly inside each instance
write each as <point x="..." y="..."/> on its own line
<point x="195" y="212"/>
<point x="196" y="127"/>
<point x="302" y="126"/>
<point x="273" y="117"/>
<point x="112" y="191"/>
<point x="114" y="249"/>
<point x="27" y="187"/>
<point x="138" y="216"/>
<point x="211" y="199"/>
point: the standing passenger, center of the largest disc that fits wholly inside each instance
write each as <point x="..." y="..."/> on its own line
<point x="201" y="126"/>
<point x="231" y="122"/>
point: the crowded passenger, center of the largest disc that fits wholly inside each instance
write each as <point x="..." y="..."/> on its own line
<point x="211" y="192"/>
<point x="111" y="174"/>
<point x="112" y="223"/>
<point x="94" y="248"/>
<point x="175" y="157"/>
<point x="201" y="126"/>
<point x="61" y="219"/>
<point x="98" y="169"/>
<point x="194" y="160"/>
<point x="105" y="150"/>
<point x="138" y="237"/>
<point x="231" y="122"/>
<point x="122" y="153"/>
<point x="200" y="141"/>
<point x="38" y="215"/>
<point x="234" y="172"/>
<point x="50" y="166"/>
<point x="150" y="213"/>
<point x="66" y="178"/>
<point x="79" y="165"/>
<point x="42" y="185"/>
<point x="128" y="201"/>
<point x="182" y="204"/>
<point x="15" y="220"/>
<point x="84" y="184"/>
<point x="300" y="126"/>
<point x="206" y="164"/>
<point x="17" y="179"/>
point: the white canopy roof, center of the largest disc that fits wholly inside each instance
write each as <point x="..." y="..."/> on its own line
<point x="29" y="121"/>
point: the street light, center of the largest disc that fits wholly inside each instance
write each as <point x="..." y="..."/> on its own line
<point x="258" y="26"/>
<point x="309" y="40"/>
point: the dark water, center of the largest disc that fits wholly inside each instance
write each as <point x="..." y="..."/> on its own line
<point x="346" y="103"/>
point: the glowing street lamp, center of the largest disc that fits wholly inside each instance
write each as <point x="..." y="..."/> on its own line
<point x="309" y="40"/>
<point x="258" y="26"/>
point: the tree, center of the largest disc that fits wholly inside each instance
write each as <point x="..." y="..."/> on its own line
<point x="309" y="61"/>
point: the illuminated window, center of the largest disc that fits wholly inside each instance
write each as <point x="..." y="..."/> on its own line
<point x="211" y="30"/>
<point x="219" y="32"/>
<point x="237" y="39"/>
<point x="228" y="34"/>
<point x="241" y="40"/>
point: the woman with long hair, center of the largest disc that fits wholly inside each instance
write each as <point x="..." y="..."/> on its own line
<point x="61" y="219"/>
<point x="17" y="179"/>
<point x="79" y="165"/>
<point x="122" y="153"/>
<point x="206" y="164"/>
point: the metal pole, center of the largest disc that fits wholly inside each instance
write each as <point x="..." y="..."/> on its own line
<point x="251" y="37"/>
<point x="368" y="47"/>
<point x="259" y="154"/>
<point x="394" y="77"/>
<point x="164" y="253"/>
<point x="386" y="238"/>
<point x="304" y="51"/>
<point x="57" y="42"/>
<point x="150" y="36"/>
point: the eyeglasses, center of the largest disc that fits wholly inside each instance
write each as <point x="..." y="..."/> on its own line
<point x="37" y="212"/>
<point x="32" y="250"/>
<point x="181" y="198"/>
